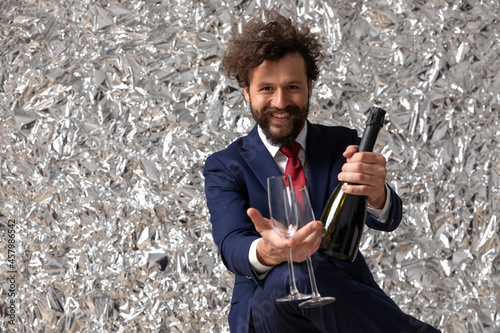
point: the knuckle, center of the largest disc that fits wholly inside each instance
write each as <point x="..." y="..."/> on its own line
<point x="360" y="178"/>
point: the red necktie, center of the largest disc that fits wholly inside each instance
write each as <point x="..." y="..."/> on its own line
<point x="293" y="165"/>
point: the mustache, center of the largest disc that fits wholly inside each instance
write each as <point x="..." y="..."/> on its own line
<point x="292" y="109"/>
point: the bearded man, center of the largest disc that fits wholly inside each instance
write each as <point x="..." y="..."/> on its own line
<point x="276" y="64"/>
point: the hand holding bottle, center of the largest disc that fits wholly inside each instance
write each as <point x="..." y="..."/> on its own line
<point x="362" y="180"/>
<point x="366" y="174"/>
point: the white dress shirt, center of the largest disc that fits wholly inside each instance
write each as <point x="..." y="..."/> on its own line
<point x="281" y="160"/>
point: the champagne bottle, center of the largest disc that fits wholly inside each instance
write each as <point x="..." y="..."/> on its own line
<point x="344" y="214"/>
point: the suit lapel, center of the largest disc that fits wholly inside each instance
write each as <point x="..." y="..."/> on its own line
<point x="263" y="165"/>
<point x="258" y="157"/>
<point x="318" y="166"/>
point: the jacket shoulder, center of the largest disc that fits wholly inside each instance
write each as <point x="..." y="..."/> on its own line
<point x="230" y="154"/>
<point x="337" y="134"/>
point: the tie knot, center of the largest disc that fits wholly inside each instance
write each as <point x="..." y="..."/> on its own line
<point x="291" y="150"/>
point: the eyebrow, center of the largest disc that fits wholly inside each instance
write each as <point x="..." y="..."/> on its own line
<point x="293" y="82"/>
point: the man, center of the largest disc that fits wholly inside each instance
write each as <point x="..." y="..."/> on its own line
<point x="275" y="63"/>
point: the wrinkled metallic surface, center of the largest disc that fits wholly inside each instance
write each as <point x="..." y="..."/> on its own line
<point x="108" y="110"/>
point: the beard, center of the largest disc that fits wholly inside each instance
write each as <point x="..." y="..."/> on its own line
<point x="287" y="133"/>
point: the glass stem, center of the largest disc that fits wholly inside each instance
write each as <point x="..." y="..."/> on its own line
<point x="312" y="278"/>
<point x="291" y="273"/>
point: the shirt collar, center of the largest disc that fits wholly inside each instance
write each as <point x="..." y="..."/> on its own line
<point x="301" y="139"/>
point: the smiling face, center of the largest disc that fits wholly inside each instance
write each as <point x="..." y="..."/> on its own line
<point x="278" y="94"/>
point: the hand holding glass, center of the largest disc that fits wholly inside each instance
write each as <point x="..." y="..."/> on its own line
<point x="279" y="192"/>
<point x="300" y="212"/>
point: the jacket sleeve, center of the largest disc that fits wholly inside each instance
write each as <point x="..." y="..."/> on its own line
<point x="227" y="201"/>
<point x="394" y="218"/>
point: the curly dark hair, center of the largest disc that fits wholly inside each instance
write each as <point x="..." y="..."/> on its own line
<point x="269" y="38"/>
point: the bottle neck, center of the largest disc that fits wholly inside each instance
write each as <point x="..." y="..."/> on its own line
<point x="369" y="138"/>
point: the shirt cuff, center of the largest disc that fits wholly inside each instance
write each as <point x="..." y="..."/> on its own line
<point x="260" y="270"/>
<point x="382" y="214"/>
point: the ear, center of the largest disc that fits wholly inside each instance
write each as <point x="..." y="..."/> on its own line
<point x="310" y="85"/>
<point x="246" y="91"/>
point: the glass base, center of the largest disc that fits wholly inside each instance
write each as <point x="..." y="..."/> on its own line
<point x="317" y="301"/>
<point x="293" y="297"/>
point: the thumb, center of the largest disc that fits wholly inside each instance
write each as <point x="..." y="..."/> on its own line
<point x="260" y="222"/>
<point x="350" y="150"/>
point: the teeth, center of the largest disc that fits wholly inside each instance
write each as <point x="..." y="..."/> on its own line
<point x="281" y="115"/>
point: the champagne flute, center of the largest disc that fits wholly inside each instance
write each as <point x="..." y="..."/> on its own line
<point x="278" y="191"/>
<point x="301" y="211"/>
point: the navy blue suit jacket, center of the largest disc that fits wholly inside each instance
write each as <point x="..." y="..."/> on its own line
<point x="235" y="179"/>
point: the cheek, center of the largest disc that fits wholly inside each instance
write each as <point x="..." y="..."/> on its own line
<point x="301" y="101"/>
<point x="259" y="102"/>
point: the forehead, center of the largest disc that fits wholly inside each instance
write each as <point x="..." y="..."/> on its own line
<point x="290" y="67"/>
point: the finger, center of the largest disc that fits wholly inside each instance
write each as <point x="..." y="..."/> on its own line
<point x="350" y="151"/>
<point x="367" y="157"/>
<point x="307" y="247"/>
<point x="375" y="195"/>
<point x="358" y="189"/>
<point x="362" y="169"/>
<point x="366" y="177"/>
<point x="312" y="228"/>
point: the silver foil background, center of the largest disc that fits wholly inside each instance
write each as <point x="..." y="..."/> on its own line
<point x="108" y="110"/>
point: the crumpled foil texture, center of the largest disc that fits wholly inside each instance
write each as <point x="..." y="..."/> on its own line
<point x="108" y="110"/>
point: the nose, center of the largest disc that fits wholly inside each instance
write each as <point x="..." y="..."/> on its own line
<point x="280" y="99"/>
